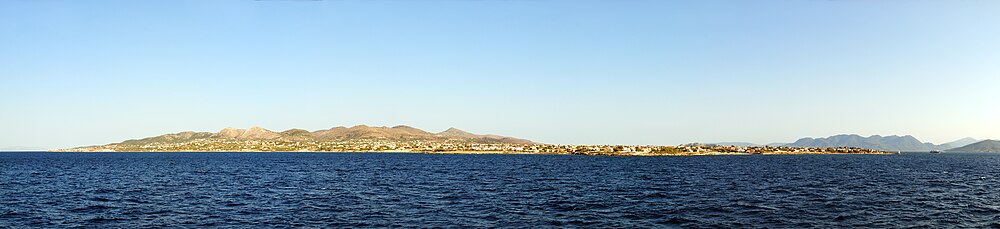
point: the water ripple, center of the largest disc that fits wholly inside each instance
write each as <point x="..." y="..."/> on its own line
<point x="278" y="190"/>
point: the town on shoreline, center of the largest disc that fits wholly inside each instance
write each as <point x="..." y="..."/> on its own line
<point x="455" y="147"/>
<point x="406" y="139"/>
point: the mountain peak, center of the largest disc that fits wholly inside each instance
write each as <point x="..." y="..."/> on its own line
<point x="256" y="129"/>
<point x="254" y="133"/>
<point x="230" y="132"/>
<point x="454" y="132"/>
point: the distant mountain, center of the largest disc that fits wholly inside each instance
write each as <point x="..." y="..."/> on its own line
<point x="336" y="134"/>
<point x="980" y="147"/>
<point x="453" y="133"/>
<point x="734" y="144"/>
<point x="254" y="133"/>
<point x="776" y="144"/>
<point x="362" y="131"/>
<point x="960" y="143"/>
<point x="887" y="143"/>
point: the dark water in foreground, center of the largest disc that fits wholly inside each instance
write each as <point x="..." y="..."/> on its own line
<point x="409" y="190"/>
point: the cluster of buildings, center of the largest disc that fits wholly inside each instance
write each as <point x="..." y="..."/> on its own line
<point x="385" y="145"/>
<point x="721" y="149"/>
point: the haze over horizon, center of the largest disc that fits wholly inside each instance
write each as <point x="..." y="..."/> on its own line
<point x="79" y="73"/>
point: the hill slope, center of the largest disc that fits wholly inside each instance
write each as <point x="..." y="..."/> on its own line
<point x="170" y="138"/>
<point x="992" y="146"/>
<point x="233" y="138"/>
<point x="887" y="143"/>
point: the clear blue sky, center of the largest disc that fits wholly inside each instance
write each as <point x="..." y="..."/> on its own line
<point x="78" y="73"/>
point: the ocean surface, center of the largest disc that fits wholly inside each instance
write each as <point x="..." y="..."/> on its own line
<point x="275" y="190"/>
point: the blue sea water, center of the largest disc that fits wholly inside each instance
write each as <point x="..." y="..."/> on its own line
<point x="274" y="190"/>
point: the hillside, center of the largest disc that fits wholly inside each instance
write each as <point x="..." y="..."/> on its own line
<point x="887" y="143"/>
<point x="170" y="138"/>
<point x="991" y="146"/>
<point x="333" y="134"/>
<point x="398" y="137"/>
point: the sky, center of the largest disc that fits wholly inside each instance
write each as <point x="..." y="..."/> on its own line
<point x="76" y="73"/>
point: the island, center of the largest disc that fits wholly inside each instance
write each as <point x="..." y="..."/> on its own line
<point x="985" y="146"/>
<point x="408" y="139"/>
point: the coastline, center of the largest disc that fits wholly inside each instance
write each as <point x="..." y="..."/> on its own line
<point x="468" y="152"/>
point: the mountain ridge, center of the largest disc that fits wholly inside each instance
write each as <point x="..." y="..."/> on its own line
<point x="340" y="133"/>
<point x="877" y="142"/>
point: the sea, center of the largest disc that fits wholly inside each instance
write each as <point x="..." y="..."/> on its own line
<point x="362" y="190"/>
